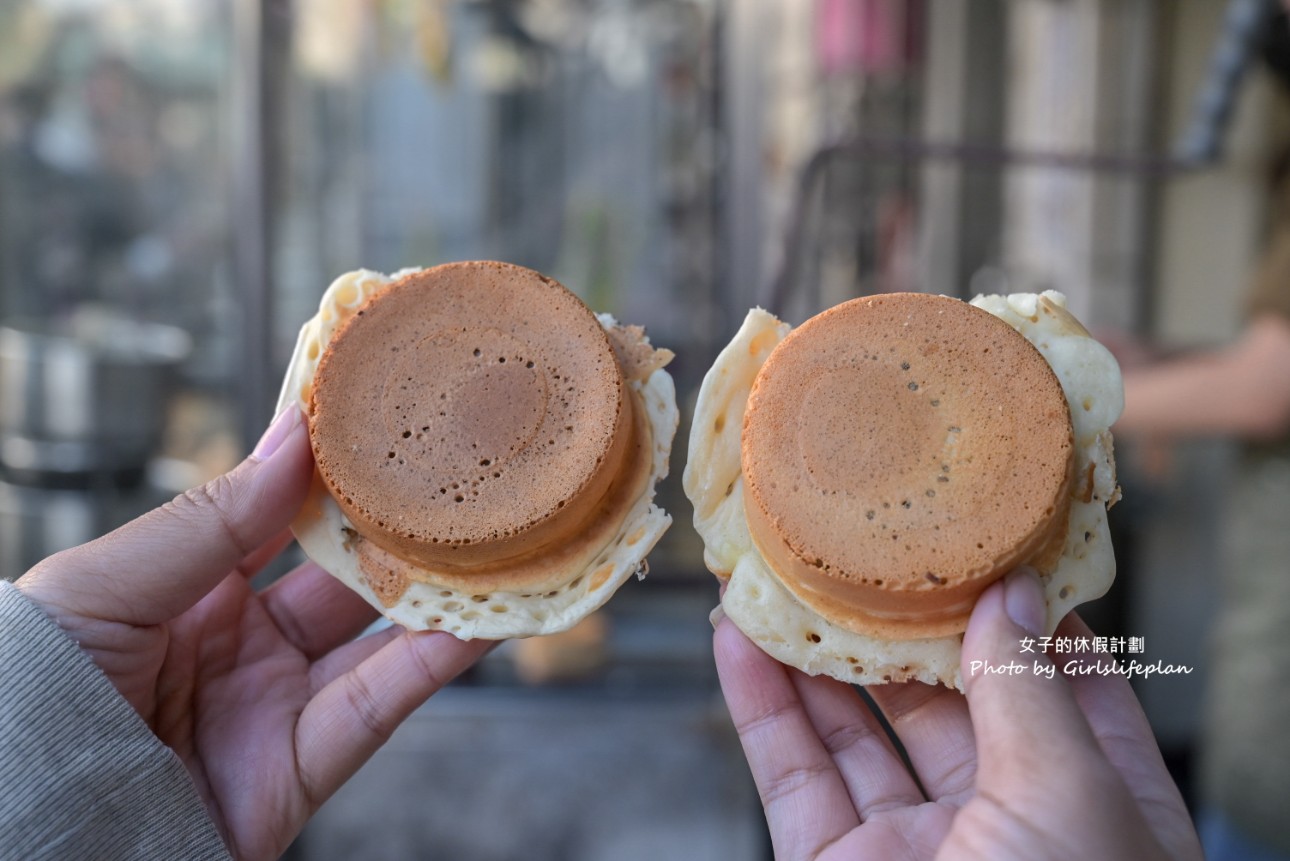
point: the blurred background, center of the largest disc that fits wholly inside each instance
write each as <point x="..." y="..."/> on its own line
<point x="180" y="181"/>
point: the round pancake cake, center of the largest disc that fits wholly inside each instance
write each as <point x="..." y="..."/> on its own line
<point x="486" y="447"/>
<point x="860" y="480"/>
<point x="475" y="433"/>
<point x="900" y="453"/>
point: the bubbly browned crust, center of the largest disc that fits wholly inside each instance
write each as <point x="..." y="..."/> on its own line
<point x="901" y="452"/>
<point x="543" y="568"/>
<point x="467" y="416"/>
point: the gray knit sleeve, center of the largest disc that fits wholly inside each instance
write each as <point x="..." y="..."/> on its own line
<point x="81" y="775"/>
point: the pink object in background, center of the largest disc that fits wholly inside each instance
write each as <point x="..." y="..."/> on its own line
<point x="866" y="36"/>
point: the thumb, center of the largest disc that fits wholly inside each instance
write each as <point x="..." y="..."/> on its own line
<point x="1024" y="713"/>
<point x="157" y="566"/>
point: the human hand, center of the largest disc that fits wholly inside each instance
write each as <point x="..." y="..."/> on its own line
<point x="267" y="698"/>
<point x="1022" y="767"/>
<point x="1131" y="351"/>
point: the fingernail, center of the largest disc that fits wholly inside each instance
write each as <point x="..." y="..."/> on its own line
<point x="1023" y="600"/>
<point x="277" y="433"/>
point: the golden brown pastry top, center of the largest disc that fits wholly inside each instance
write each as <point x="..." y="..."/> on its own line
<point x="900" y="453"/>
<point x="469" y="413"/>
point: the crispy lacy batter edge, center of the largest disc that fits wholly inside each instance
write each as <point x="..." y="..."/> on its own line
<point x="796" y="635"/>
<point x="325" y="534"/>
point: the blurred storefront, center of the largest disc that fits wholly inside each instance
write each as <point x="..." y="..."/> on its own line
<point x="115" y="297"/>
<point x="195" y="174"/>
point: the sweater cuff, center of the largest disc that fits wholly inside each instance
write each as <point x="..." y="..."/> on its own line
<point x="83" y="775"/>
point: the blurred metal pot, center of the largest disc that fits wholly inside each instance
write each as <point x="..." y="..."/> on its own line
<point x="36" y="522"/>
<point x="87" y="396"/>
